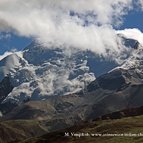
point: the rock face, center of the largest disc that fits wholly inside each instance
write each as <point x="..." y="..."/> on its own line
<point x="116" y="80"/>
<point x="9" y="65"/>
<point x="5" y="88"/>
<point x="110" y="81"/>
<point x="42" y="72"/>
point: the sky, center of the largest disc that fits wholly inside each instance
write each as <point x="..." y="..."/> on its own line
<point x="134" y="19"/>
<point x="13" y="42"/>
<point x="49" y="22"/>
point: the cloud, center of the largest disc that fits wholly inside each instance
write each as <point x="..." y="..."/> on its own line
<point x="66" y="23"/>
<point x="105" y="11"/>
<point x="132" y="34"/>
<point x="140" y="2"/>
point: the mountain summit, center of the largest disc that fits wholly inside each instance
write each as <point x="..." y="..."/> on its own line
<point x="38" y="72"/>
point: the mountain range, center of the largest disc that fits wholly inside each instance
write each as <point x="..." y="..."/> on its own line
<point x="63" y="87"/>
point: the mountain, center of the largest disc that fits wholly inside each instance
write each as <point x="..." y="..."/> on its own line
<point x="38" y="72"/>
<point x="114" y="91"/>
<point x="63" y="88"/>
<point x="117" y="90"/>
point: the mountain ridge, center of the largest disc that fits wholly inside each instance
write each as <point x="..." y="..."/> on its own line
<point x="41" y="71"/>
<point x="116" y="90"/>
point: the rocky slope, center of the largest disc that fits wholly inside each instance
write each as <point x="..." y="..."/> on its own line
<point x="15" y="131"/>
<point x="123" y="130"/>
<point x="32" y="131"/>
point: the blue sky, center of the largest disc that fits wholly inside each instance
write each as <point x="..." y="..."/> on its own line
<point x="133" y="20"/>
<point x="13" y="42"/>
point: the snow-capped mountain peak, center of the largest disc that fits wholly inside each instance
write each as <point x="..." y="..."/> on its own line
<point x="38" y="72"/>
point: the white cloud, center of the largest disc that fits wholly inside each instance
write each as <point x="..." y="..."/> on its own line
<point x="140" y="2"/>
<point x="132" y="34"/>
<point x="103" y="9"/>
<point x="51" y="23"/>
